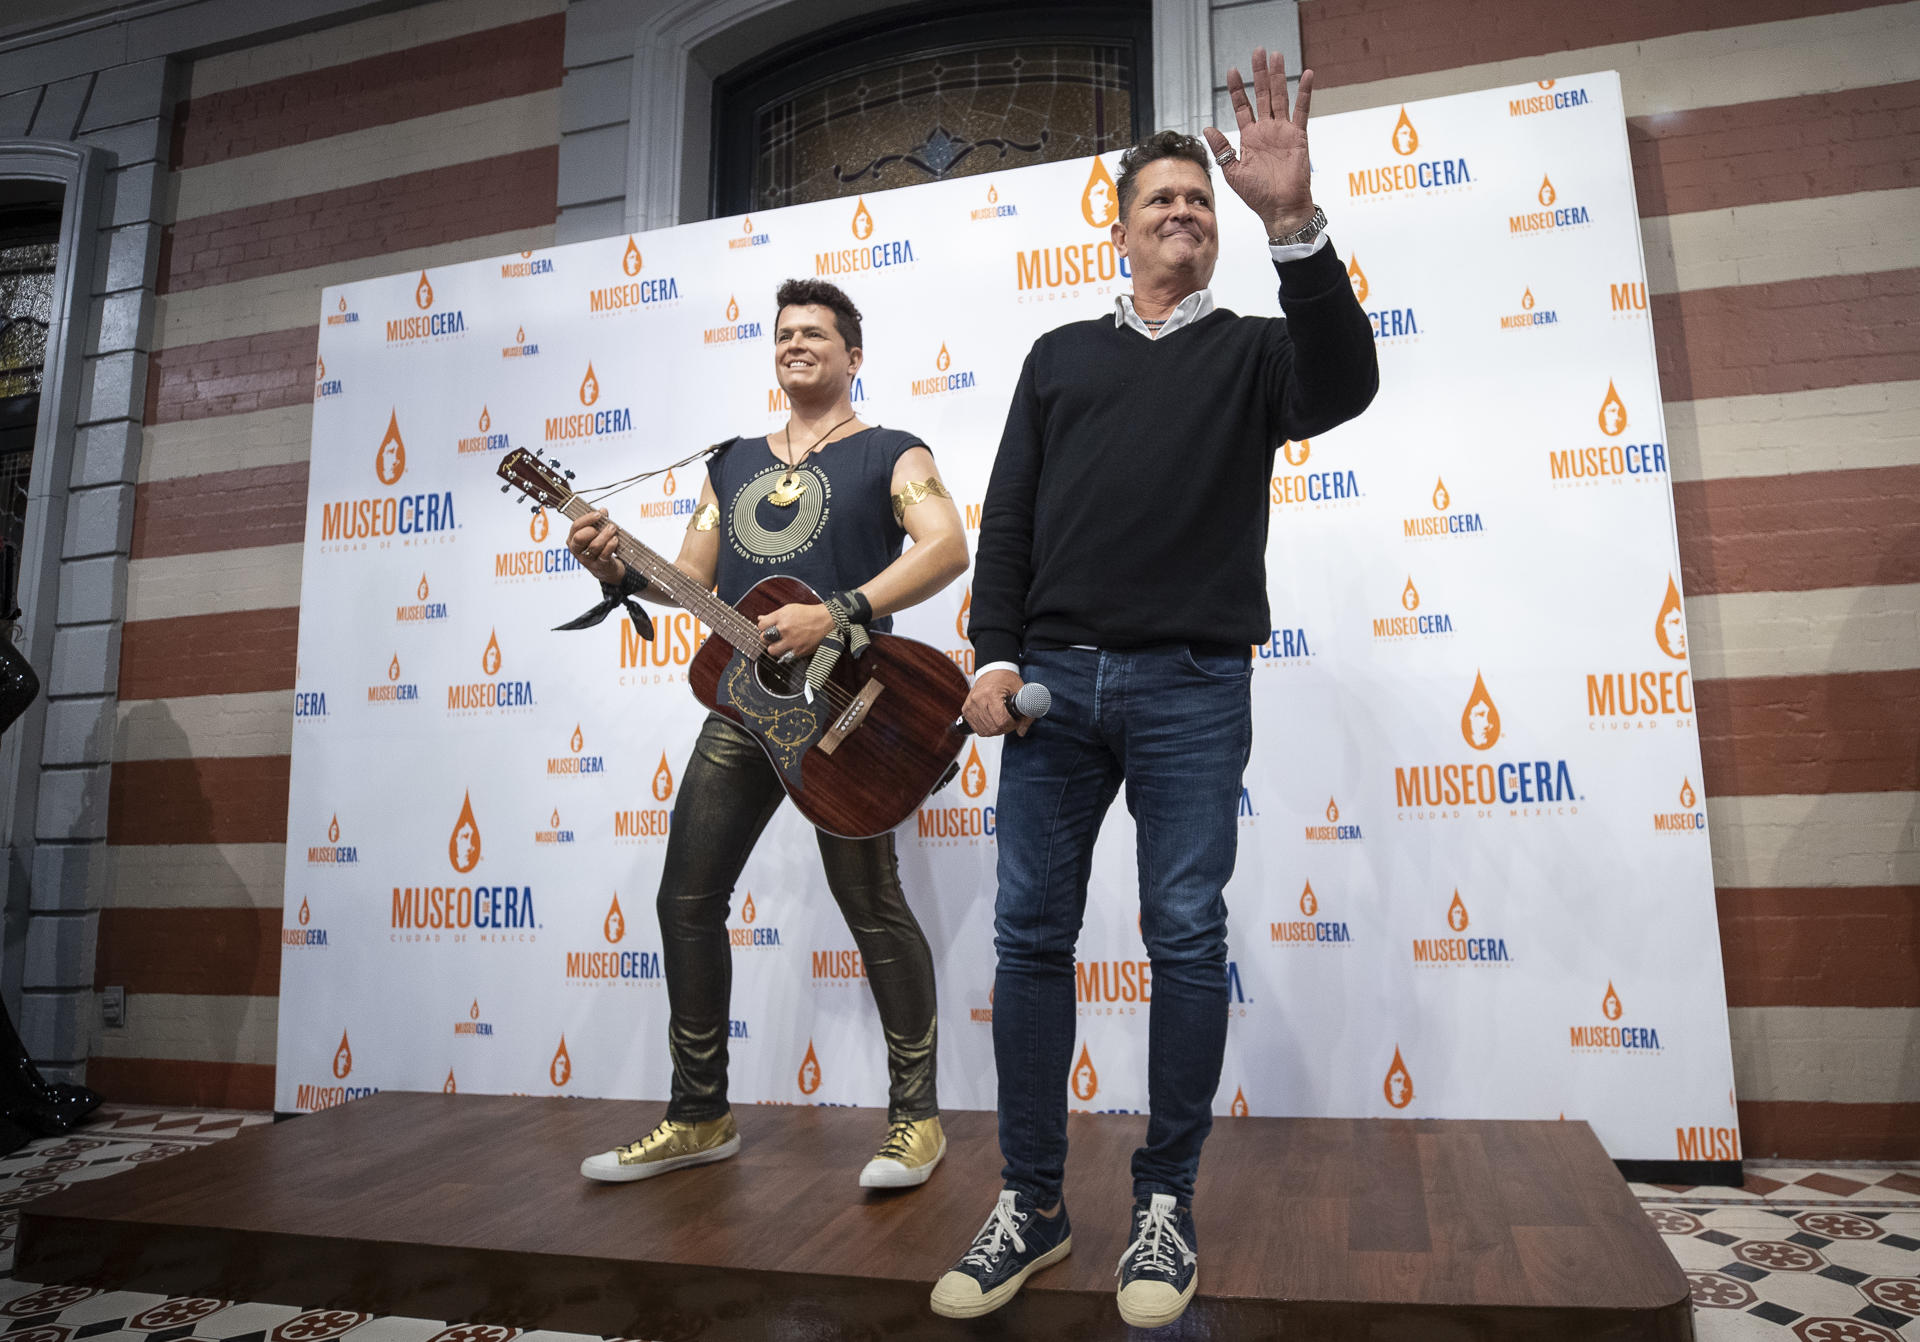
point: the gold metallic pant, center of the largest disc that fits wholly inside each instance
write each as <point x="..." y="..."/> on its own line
<point x="727" y="796"/>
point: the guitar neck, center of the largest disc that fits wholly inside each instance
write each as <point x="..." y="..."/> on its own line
<point x="667" y="581"/>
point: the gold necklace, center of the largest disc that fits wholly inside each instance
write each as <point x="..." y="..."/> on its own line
<point x="791" y="486"/>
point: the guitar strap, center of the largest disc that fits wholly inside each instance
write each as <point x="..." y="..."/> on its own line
<point x="850" y="613"/>
<point x="630" y="586"/>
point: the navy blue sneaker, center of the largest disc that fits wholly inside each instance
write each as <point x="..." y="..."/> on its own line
<point x="1161" y="1267"/>
<point x="1015" y="1243"/>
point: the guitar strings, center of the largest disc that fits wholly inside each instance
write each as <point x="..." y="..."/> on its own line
<point x="607" y="491"/>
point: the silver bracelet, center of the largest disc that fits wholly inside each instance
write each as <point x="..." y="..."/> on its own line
<point x="1307" y="232"/>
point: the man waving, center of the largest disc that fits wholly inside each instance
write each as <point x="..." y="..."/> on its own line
<point x="1122" y="564"/>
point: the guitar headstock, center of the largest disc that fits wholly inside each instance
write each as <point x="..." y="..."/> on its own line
<point x="542" y="481"/>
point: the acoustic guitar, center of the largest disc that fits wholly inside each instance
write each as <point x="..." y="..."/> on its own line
<point x="858" y="755"/>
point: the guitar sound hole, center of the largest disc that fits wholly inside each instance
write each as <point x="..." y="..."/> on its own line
<point x="782" y="682"/>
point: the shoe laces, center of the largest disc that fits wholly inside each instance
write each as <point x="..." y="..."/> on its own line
<point x="1157" y="1246"/>
<point x="633" y="1148"/>
<point x="899" y="1141"/>
<point x="1003" y="1224"/>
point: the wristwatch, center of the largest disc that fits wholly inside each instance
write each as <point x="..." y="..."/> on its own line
<point x="1307" y="232"/>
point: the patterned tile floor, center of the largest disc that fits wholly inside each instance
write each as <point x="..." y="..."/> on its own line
<point x="1820" y="1254"/>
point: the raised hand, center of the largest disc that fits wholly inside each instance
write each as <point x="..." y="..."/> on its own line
<point x="1270" y="173"/>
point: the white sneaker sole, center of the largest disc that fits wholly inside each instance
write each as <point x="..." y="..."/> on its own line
<point x="892" y="1174"/>
<point x="1158" y="1318"/>
<point x="614" y="1173"/>
<point x="972" y="1307"/>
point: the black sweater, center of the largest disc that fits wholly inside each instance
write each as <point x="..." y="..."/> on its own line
<point x="1128" y="502"/>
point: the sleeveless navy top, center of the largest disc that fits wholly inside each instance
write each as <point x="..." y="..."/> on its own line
<point x="837" y="535"/>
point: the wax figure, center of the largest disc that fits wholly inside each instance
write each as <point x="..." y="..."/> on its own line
<point x="1122" y="564"/>
<point x="828" y="500"/>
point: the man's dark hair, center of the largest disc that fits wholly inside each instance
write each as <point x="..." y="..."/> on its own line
<point x="818" y="293"/>
<point x="1164" y="144"/>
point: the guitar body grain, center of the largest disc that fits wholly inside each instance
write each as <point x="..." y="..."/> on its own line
<point x="885" y="767"/>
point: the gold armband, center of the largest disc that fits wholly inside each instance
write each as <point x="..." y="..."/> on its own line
<point x="707" y="518"/>
<point x="913" y="493"/>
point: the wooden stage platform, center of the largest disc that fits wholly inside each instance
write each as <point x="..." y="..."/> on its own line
<point x="471" y="1208"/>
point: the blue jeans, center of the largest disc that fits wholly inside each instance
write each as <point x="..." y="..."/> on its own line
<point x="1176" y="727"/>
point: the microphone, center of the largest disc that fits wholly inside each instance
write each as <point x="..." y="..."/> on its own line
<point x="1032" y="701"/>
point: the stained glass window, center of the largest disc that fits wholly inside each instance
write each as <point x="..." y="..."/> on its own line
<point x="956" y="97"/>
<point x="26" y="306"/>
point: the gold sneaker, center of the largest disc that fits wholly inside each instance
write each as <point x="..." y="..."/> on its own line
<point x="671" y="1146"/>
<point x="907" y="1157"/>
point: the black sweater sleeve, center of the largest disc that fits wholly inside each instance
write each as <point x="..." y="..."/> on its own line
<point x="1003" y="561"/>
<point x="1324" y="372"/>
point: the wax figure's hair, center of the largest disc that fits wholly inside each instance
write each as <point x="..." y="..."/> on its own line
<point x="1164" y="144"/>
<point x="819" y="293"/>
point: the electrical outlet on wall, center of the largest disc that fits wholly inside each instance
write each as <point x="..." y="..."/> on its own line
<point x="113" y="1007"/>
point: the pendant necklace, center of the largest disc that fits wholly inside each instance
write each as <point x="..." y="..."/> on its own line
<point x="792" y="486"/>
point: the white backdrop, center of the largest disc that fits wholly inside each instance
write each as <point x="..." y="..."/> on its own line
<point x="1473" y="877"/>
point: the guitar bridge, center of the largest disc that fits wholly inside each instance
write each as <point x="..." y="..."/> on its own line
<point x="854" y="714"/>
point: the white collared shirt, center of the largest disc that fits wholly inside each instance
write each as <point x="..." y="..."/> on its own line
<point x="1200" y="303"/>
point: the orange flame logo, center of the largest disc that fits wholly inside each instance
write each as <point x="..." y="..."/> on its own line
<point x="520" y="335"/>
<point x="1086" y="1081"/>
<point x="1613" y="413"/>
<point x="1099" y="198"/>
<point x="1457" y="914"/>
<point x="960" y="620"/>
<point x="333" y="830"/>
<point x="473" y="1012"/>
<point x="320" y="369"/>
<point x="1358" y="278"/>
<point x="631" y="261"/>
<point x="1410" y="595"/>
<point x="1670" y="625"/>
<point x="1305" y="446"/>
<point x="578" y="740"/>
<point x="449" y="1088"/>
<point x="746" y="223"/>
<point x="560" y="1070"/>
<point x="486" y="420"/>
<point x="993" y="194"/>
<point x="662" y="780"/>
<point x="537" y="526"/>
<point x="1526" y="300"/>
<point x="1398" y="1085"/>
<point x="945" y="360"/>
<point x="733" y="309"/>
<point x="668" y="485"/>
<point x="343" y="1058"/>
<point x="423" y="292"/>
<point x="1547" y="194"/>
<point x="390" y="462"/>
<point x="305" y="912"/>
<point x="490" y="659"/>
<point x="422" y="589"/>
<point x="554" y="820"/>
<point x="1544" y="83"/>
<point x="747" y="913"/>
<point x="393" y="667"/>
<point x="1440" y="496"/>
<point x="1687" y="798"/>
<point x="1333" y="812"/>
<point x="615" y="926"/>
<point x="1405" y="138"/>
<point x="809" y="1074"/>
<point x="1480" y="719"/>
<point x="862" y="219"/>
<point x="973" y="778"/>
<point x="589" y="386"/>
<point x="1238" y="1109"/>
<point x="463" y="845"/>
<point x="1309" y="902"/>
<point x="1610" y="1004"/>
<point x="343" y="302"/>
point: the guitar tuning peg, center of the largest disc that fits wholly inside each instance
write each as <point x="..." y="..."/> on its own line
<point x="568" y="474"/>
<point x="505" y="488"/>
<point x="554" y="462"/>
